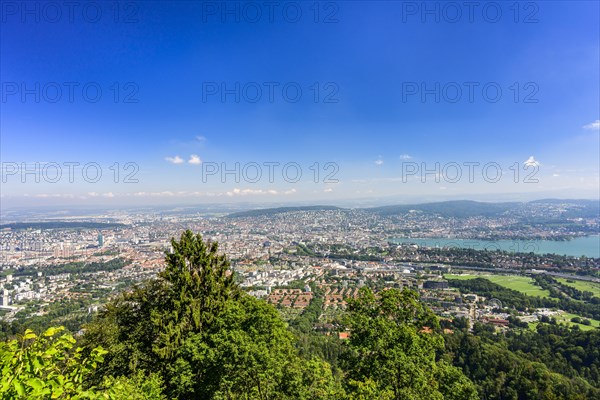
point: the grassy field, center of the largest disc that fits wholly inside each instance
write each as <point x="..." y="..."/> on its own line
<point x="584" y="286"/>
<point x="566" y="318"/>
<point x="522" y="284"/>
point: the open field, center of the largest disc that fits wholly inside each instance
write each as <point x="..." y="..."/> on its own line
<point x="566" y="318"/>
<point x="522" y="284"/>
<point x="584" y="286"/>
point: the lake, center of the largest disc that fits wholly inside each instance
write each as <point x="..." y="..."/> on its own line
<point x="588" y="246"/>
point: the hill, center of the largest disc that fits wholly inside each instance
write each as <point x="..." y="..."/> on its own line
<point x="280" y="210"/>
<point x="460" y="209"/>
<point x="455" y="208"/>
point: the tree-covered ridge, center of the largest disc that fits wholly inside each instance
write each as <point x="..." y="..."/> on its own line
<point x="528" y="365"/>
<point x="454" y="209"/>
<point x="280" y="210"/>
<point x="77" y="267"/>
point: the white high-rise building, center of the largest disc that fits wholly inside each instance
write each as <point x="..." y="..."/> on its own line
<point x="5" y="299"/>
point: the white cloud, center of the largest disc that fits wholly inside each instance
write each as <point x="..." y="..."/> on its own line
<point x="593" y="126"/>
<point x="531" y="162"/>
<point x="164" y="194"/>
<point x="260" y="192"/>
<point x="174" y="160"/>
<point x="201" y="138"/>
<point x="54" y="195"/>
<point x="405" y="157"/>
<point x="245" y="192"/>
<point x="194" y="159"/>
<point x="379" y="161"/>
<point x="151" y="194"/>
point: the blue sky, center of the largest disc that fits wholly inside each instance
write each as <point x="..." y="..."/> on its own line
<point x="379" y="97"/>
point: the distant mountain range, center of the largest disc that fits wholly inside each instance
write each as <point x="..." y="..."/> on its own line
<point x="452" y="209"/>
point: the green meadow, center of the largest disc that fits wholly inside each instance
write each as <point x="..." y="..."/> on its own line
<point x="584" y="286"/>
<point x="566" y="318"/>
<point x="519" y="283"/>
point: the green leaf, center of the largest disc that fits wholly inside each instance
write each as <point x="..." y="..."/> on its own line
<point x="19" y="388"/>
<point x="36" y="383"/>
<point x="53" y="331"/>
<point x="56" y="393"/>
<point x="29" y="335"/>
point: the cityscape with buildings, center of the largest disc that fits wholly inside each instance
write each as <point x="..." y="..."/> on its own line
<point x="279" y="254"/>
